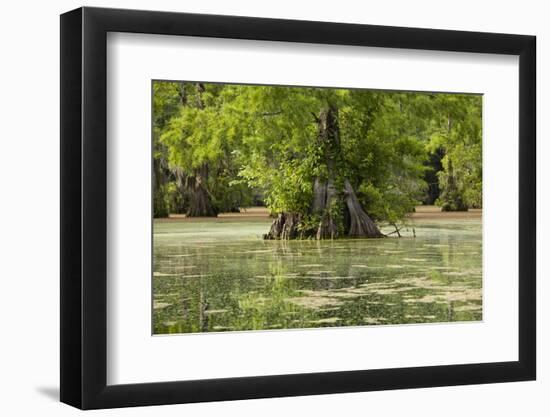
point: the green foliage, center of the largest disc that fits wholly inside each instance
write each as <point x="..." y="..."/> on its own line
<point x="335" y="210"/>
<point x="457" y="131"/>
<point x="263" y="141"/>
<point x="288" y="188"/>
<point x="390" y="205"/>
<point x="197" y="137"/>
<point x="389" y="154"/>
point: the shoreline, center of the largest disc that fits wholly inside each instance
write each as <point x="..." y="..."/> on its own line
<point x="261" y="214"/>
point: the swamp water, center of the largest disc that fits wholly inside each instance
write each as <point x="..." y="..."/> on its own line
<point x="220" y="275"/>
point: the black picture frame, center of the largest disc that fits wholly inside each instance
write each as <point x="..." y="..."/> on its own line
<point x="84" y="207"/>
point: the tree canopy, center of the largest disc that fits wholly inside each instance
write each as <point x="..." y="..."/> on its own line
<point x="326" y="162"/>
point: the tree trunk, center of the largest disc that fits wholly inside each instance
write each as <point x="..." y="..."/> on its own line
<point x="451" y="196"/>
<point x="319" y="195"/>
<point x="200" y="200"/>
<point x="328" y="228"/>
<point x="329" y="204"/>
<point x="160" y="208"/>
<point x="361" y="225"/>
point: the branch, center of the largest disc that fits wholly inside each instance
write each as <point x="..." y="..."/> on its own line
<point x="395" y="231"/>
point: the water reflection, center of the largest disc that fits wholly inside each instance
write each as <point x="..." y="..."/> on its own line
<point x="221" y="276"/>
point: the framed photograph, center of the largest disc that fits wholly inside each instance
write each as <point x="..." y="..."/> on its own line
<point x="257" y="208"/>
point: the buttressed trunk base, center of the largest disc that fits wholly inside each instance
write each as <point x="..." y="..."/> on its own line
<point x="361" y="224"/>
